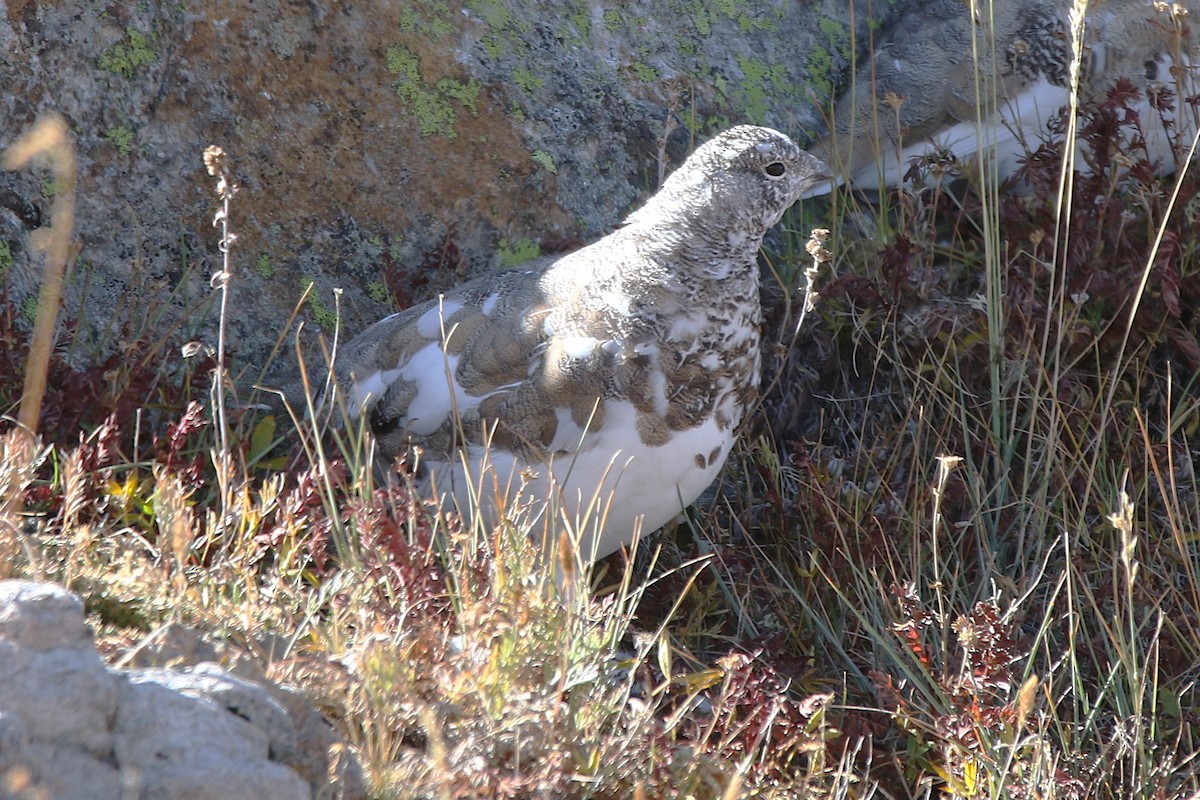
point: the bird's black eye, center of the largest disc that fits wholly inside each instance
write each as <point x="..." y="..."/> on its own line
<point x="775" y="169"/>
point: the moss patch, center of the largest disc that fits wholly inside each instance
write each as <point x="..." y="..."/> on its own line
<point x="527" y="80"/>
<point x="644" y="72"/>
<point x="29" y="309"/>
<point x="821" y="59"/>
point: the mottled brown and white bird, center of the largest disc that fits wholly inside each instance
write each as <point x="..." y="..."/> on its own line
<point x="945" y="81"/>
<point x="606" y="385"/>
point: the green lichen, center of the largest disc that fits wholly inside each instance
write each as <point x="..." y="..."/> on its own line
<point x="493" y="12"/>
<point x="721" y="85"/>
<point x="6" y="256"/>
<point x="126" y="57"/>
<point x="29" y="309"/>
<point x="492" y="46"/>
<point x="702" y="21"/>
<point x="757" y="78"/>
<point x="377" y="291"/>
<point x="402" y="61"/>
<point x="322" y="314"/>
<point x="546" y="160"/>
<point x="263" y="267"/>
<point x="582" y="22"/>
<point x="834" y="30"/>
<point x="122" y="138"/>
<point x="466" y="93"/>
<point x="527" y="80"/>
<point x="434" y="105"/>
<point x="820" y="72"/>
<point x="744" y="15"/>
<point x="753" y="87"/>
<point x="612" y="19"/>
<point x="644" y="72"/>
<point x="518" y="251"/>
<point x="821" y="59"/>
<point x="50" y="188"/>
<point x="431" y="18"/>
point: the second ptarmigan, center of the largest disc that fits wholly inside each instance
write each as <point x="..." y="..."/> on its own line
<point x="605" y="386"/>
<point x="946" y="80"/>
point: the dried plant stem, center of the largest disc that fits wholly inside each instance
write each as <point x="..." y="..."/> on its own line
<point x="49" y="137"/>
<point x="217" y="162"/>
<point x="817" y="250"/>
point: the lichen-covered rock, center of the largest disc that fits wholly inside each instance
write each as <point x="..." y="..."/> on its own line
<point x="72" y="728"/>
<point x="385" y="148"/>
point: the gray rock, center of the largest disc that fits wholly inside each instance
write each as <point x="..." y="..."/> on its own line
<point x="41" y="616"/>
<point x="309" y="744"/>
<point x="242" y="698"/>
<point x="321" y="756"/>
<point x="54" y="680"/>
<point x="170" y="645"/>
<point x="377" y="142"/>
<point x="64" y="695"/>
<point x="64" y="772"/>
<point x="191" y="747"/>
<point x="13" y="740"/>
<point x="72" y="728"/>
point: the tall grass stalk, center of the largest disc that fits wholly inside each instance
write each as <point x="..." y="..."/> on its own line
<point x="988" y="106"/>
<point x="49" y="138"/>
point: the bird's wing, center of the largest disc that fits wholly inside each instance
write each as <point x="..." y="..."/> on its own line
<point x="435" y="372"/>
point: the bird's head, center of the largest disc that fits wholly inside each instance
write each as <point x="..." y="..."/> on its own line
<point x="743" y="178"/>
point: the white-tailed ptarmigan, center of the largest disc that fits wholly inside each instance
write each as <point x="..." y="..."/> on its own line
<point x="606" y="384"/>
<point x="941" y="70"/>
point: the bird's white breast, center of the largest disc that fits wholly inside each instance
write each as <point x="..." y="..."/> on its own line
<point x="603" y="484"/>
